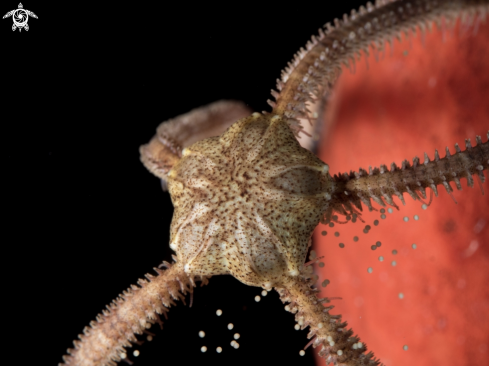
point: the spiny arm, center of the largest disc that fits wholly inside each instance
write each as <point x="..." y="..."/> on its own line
<point x="165" y="148"/>
<point x="103" y="342"/>
<point x="382" y="184"/>
<point x="312" y="73"/>
<point x="339" y="345"/>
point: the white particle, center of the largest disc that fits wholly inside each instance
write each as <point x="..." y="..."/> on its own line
<point x="257" y="298"/>
<point x="381" y="259"/>
<point x="218" y="349"/>
<point x="201" y="334"/>
<point x="416" y="217"/>
<point x="230" y="326"/>
<point x="405" y="347"/>
<point x="320" y="325"/>
<point x="123" y="355"/>
<point x="149" y="338"/>
<point x="297" y="327"/>
<point x="390" y="210"/>
<point x="331" y="343"/>
<point x="401" y="295"/>
<point x="232" y="343"/>
<point x="340" y="352"/>
<point x="136" y="353"/>
<point x="370" y="270"/>
<point x="302" y="352"/>
<point x="236" y="335"/>
<point x="264" y="293"/>
<point x="203" y="349"/>
<point x="393" y="263"/>
<point x="236" y="345"/>
<point x="406" y="219"/>
<point x="329" y="338"/>
<point x="414" y="246"/>
<point x="287" y="308"/>
<point x="424" y="206"/>
<point x="359" y="345"/>
<point x="219" y="312"/>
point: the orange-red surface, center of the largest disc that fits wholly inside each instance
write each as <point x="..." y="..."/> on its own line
<point x="415" y="100"/>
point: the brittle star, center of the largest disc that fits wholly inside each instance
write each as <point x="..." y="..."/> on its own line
<point x="246" y="202"/>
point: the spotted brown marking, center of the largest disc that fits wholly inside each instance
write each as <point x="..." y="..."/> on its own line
<point x="165" y="148"/>
<point x="247" y="202"/>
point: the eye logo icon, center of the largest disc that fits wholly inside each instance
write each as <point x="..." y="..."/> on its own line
<point x="20" y="17"/>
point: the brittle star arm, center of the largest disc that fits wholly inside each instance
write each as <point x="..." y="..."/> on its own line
<point x="311" y="75"/>
<point x="165" y="148"/>
<point x="339" y="345"/>
<point x="381" y="184"/>
<point x="103" y="342"/>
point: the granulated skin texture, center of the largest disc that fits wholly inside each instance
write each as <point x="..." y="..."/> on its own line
<point x="239" y="201"/>
<point x="415" y="100"/>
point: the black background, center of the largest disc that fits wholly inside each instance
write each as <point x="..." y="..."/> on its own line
<point x="82" y="218"/>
